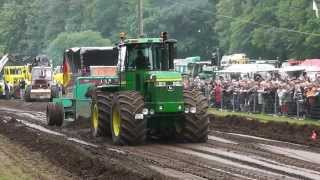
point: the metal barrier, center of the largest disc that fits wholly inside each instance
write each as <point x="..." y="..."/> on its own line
<point x="264" y="102"/>
<point x="295" y="104"/>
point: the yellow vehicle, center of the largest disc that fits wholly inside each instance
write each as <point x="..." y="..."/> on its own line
<point x="14" y="74"/>
<point x="58" y="75"/>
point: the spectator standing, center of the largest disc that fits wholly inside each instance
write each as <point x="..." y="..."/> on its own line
<point x="218" y="95"/>
<point x="22" y="86"/>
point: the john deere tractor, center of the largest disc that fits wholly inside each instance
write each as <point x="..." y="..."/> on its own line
<point x="148" y="97"/>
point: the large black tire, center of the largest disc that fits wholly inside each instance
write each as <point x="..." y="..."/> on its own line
<point x="27" y="96"/>
<point x="195" y="127"/>
<point x="55" y="114"/>
<point x="101" y="105"/>
<point x="131" y="131"/>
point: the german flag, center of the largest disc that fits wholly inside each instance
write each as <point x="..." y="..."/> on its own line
<point x="66" y="72"/>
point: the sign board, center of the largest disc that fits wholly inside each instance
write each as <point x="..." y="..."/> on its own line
<point x="103" y="70"/>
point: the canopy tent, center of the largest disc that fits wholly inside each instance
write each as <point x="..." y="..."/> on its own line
<point x="312" y="68"/>
<point x="311" y="62"/>
<point x="3" y="61"/>
<point x="292" y="68"/>
<point x="80" y="57"/>
<point x="309" y="65"/>
<point x="248" y="68"/>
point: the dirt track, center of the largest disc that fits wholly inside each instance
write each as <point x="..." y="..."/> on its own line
<point x="224" y="156"/>
<point x="17" y="162"/>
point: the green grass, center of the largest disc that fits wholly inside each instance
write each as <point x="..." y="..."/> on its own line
<point x="266" y="117"/>
<point x="14" y="177"/>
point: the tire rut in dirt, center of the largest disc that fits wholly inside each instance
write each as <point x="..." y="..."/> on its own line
<point x="252" y="148"/>
<point x="196" y="126"/>
<point x="82" y="161"/>
<point x="171" y="157"/>
<point x="132" y="131"/>
<point x="263" y="157"/>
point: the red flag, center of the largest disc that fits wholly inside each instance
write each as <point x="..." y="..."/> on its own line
<point x="66" y="72"/>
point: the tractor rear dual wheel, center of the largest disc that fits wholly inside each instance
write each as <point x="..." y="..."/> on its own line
<point x="114" y="114"/>
<point x="195" y="127"/>
<point x="100" y="114"/>
<point x="55" y="114"/>
<point x="126" y="128"/>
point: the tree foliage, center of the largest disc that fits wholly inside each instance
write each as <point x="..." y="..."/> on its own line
<point x="267" y="29"/>
<point x="67" y="40"/>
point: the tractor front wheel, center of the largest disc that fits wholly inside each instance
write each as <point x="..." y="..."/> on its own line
<point x="100" y="114"/>
<point x="128" y="126"/>
<point x="55" y="114"/>
<point x="195" y="127"/>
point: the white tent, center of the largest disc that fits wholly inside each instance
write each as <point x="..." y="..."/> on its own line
<point x="292" y="68"/>
<point x="3" y="61"/>
<point x="249" y="68"/>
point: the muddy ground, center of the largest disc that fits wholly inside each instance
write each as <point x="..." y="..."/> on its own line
<point x="18" y="162"/>
<point x="230" y="153"/>
<point x="282" y="131"/>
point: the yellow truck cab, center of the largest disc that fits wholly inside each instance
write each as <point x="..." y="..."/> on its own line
<point x="14" y="74"/>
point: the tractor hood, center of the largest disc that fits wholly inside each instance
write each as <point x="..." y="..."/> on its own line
<point x="165" y="93"/>
<point x="164" y="76"/>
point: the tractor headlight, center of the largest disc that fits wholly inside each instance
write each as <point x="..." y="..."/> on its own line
<point x="152" y="112"/>
<point x="145" y="111"/>
<point x="180" y="107"/>
<point x="186" y="110"/>
<point x="177" y="83"/>
<point x="161" y="108"/>
<point x="139" y="116"/>
<point x="161" y="84"/>
<point x="193" y="110"/>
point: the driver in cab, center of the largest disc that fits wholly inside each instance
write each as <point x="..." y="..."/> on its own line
<point x="141" y="62"/>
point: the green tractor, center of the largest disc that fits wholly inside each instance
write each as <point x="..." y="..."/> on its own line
<point x="147" y="98"/>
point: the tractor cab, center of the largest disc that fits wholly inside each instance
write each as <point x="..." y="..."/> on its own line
<point x="146" y="66"/>
<point x="202" y="69"/>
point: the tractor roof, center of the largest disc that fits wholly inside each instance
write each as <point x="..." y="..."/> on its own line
<point x="148" y="41"/>
<point x="86" y="49"/>
<point x="143" y="40"/>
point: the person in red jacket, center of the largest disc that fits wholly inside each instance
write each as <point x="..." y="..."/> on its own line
<point x="217" y="95"/>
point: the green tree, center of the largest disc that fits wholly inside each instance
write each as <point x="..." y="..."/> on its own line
<point x="190" y="22"/>
<point x="67" y="40"/>
<point x="13" y="25"/>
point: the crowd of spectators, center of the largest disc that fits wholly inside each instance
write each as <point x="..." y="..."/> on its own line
<point x="276" y="95"/>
